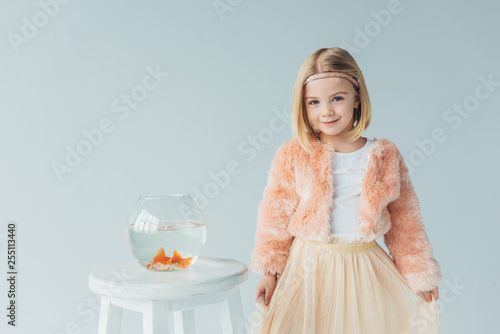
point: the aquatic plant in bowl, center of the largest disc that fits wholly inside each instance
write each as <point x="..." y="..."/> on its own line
<point x="166" y="232"/>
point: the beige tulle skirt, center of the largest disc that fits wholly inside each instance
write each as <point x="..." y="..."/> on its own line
<point x="348" y="286"/>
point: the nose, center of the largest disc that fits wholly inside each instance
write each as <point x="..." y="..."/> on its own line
<point x="327" y="111"/>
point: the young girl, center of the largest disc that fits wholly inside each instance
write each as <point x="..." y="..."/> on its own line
<point x="330" y="193"/>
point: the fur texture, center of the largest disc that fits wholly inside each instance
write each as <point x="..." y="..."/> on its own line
<point x="298" y="197"/>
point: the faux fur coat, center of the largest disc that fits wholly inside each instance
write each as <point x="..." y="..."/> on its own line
<point x="298" y="197"/>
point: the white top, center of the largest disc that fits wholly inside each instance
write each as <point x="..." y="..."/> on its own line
<point x="348" y="172"/>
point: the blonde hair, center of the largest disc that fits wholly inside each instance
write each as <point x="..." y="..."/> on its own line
<point x="328" y="60"/>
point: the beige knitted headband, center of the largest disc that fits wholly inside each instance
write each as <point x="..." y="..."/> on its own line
<point x="322" y="75"/>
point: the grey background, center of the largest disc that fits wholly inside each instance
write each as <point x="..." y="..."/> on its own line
<point x="229" y="76"/>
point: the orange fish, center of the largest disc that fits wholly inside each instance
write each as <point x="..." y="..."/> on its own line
<point x="160" y="257"/>
<point x="177" y="258"/>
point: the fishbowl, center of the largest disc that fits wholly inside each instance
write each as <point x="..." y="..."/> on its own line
<point x="166" y="232"/>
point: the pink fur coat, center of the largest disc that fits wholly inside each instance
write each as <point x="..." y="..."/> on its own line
<point x="297" y="201"/>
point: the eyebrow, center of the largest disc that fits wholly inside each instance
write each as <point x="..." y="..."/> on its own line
<point x="314" y="97"/>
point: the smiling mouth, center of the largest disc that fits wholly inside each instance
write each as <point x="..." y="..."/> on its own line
<point x="328" y="123"/>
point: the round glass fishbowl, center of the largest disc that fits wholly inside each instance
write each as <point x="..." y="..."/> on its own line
<point x="166" y="232"/>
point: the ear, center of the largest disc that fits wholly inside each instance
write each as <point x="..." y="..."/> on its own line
<point x="357" y="101"/>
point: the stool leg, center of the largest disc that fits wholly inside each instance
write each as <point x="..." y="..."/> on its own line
<point x="231" y="311"/>
<point x="110" y="318"/>
<point x="184" y="322"/>
<point x="155" y="318"/>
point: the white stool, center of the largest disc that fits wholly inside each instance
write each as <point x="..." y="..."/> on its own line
<point x="155" y="294"/>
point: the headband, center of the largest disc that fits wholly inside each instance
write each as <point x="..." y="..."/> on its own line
<point x="342" y="75"/>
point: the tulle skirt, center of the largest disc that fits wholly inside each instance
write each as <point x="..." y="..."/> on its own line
<point x="348" y="286"/>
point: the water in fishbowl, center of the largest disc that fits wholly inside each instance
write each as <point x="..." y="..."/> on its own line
<point x="170" y="245"/>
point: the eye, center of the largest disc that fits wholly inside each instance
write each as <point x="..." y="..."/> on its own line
<point x="311" y="102"/>
<point x="338" y="97"/>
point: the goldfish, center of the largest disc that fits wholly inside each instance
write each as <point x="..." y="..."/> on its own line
<point x="160" y="260"/>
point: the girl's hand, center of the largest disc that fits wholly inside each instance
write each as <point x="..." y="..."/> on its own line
<point x="266" y="286"/>
<point x="428" y="296"/>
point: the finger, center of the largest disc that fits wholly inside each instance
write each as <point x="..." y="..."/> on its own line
<point x="267" y="297"/>
<point x="258" y="293"/>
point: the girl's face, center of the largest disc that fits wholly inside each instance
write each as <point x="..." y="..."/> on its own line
<point x="331" y="99"/>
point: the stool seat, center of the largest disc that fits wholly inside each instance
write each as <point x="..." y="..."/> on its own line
<point x="161" y="294"/>
<point x="131" y="280"/>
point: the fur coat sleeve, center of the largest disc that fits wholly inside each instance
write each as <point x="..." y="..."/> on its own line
<point x="280" y="199"/>
<point x="407" y="239"/>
